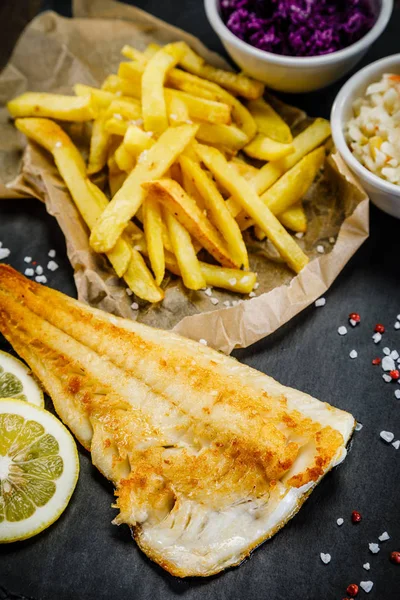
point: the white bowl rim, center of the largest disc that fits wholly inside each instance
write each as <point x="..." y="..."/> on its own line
<point x="337" y="123"/>
<point x="297" y="61"/>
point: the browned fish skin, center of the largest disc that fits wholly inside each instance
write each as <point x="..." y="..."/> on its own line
<point x="166" y="419"/>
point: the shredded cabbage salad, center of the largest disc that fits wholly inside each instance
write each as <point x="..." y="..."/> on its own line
<point x="298" y="27"/>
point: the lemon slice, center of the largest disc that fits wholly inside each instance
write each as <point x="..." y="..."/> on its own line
<point x="17" y="382"/>
<point x="39" y="469"/>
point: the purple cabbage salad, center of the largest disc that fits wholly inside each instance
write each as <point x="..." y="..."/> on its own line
<point x="298" y="27"/>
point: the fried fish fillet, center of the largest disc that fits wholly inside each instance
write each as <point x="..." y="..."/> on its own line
<point x="209" y="457"/>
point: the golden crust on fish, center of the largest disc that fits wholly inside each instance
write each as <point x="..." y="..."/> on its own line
<point x="209" y="457"/>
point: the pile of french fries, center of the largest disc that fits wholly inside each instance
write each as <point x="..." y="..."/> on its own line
<point x="173" y="136"/>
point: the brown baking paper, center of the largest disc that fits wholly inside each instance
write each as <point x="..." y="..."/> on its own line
<point x="52" y="54"/>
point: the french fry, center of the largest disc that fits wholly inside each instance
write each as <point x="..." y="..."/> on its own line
<point x="236" y="83"/>
<point x="124" y="158"/>
<point x="217" y="212"/>
<point x="245" y="194"/>
<point x="294" y="218"/>
<point x="134" y="54"/>
<point x="305" y="142"/>
<point x="191" y="190"/>
<point x="291" y="187"/>
<point x="233" y="280"/>
<point x="244" y="169"/>
<point x="90" y="201"/>
<point x="268" y="122"/>
<point x="100" y="98"/>
<point x="116" y="177"/>
<point x="136" y="140"/>
<point x="116" y="126"/>
<point x="140" y="280"/>
<point x="152" y="223"/>
<point x="52" y="106"/>
<point x="153" y="101"/>
<point x="124" y="109"/>
<point x="99" y="145"/>
<point x="229" y="137"/>
<point x="128" y="199"/>
<point x="171" y="195"/>
<point x="265" y="148"/>
<point x="185" y="254"/>
<point x="202" y="109"/>
<point x="178" y="112"/>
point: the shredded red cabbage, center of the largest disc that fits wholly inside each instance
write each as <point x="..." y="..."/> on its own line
<point x="298" y="27"/>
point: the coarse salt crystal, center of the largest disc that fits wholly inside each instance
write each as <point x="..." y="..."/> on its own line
<point x="331" y="240"/>
<point x="326" y="558"/>
<point x="386" y="378"/>
<point x="353" y="354"/>
<point x="39" y="270"/>
<point x="202" y="341"/>
<point x="134" y="306"/>
<point x="340" y="521"/>
<point x="129" y="291"/>
<point x="208" y="292"/>
<point x="252" y="295"/>
<point x="58" y="144"/>
<point x="387" y="436"/>
<point x="173" y="116"/>
<point x="358" y="427"/>
<point x="41" y="278"/>
<point x="388" y="363"/>
<point x="244" y="279"/>
<point x="398" y="317"/>
<point x="227" y="303"/>
<point x="149" y="133"/>
<point x="51" y="253"/>
<point x="353" y="323"/>
<point x="189" y="122"/>
<point x="374" y="548"/>
<point x="397" y="325"/>
<point x="384" y="537"/>
<point x="320" y="249"/>
<point x="299" y="235"/>
<point x="31" y="272"/>
<point x="366" y="566"/>
<point x="28" y="259"/>
<point x="214" y="301"/>
<point x="397" y="394"/>
<point x="320" y="302"/>
<point x="342" y="330"/>
<point x="4" y="253"/>
<point x="377" y="337"/>
<point x="118" y="116"/>
<point x="394" y="354"/>
<point x="52" y="265"/>
<point x="256" y="286"/>
<point x="142" y="156"/>
<point x="366" y="586"/>
<point x="386" y="350"/>
<point x="232" y="281"/>
<point x="396" y="444"/>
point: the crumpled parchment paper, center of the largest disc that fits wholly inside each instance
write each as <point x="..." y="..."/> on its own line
<point x="52" y="54"/>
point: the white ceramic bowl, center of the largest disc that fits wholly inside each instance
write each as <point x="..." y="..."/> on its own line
<point x="383" y="194"/>
<point x="296" y="74"/>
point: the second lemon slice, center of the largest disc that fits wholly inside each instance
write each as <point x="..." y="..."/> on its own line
<point x="39" y="469"/>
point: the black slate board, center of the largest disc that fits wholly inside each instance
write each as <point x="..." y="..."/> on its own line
<point x="84" y="557"/>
